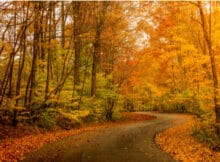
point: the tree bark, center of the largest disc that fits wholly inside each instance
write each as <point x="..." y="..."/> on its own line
<point x="49" y="52"/>
<point x="36" y="49"/>
<point x="97" y="44"/>
<point x="77" y="42"/>
<point x="206" y="26"/>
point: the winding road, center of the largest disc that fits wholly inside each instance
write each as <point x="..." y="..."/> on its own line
<point x="132" y="142"/>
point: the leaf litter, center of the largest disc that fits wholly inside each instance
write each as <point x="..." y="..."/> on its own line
<point x="13" y="148"/>
<point x="179" y="142"/>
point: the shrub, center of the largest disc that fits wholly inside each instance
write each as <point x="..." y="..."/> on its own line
<point x="204" y="130"/>
<point x="206" y="134"/>
<point x="68" y="121"/>
<point x="72" y="119"/>
<point x="116" y="115"/>
<point x="46" y="120"/>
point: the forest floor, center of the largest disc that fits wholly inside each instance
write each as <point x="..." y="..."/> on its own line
<point x="179" y="142"/>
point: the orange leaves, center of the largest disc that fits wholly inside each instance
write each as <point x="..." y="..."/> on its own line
<point x="179" y="142"/>
<point x="13" y="149"/>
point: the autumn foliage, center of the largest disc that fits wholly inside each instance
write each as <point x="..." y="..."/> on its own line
<point x="67" y="63"/>
<point x="180" y="143"/>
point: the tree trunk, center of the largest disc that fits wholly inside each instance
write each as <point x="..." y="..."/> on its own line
<point x="83" y="85"/>
<point x="206" y="26"/>
<point x="36" y="49"/>
<point x="49" y="52"/>
<point x="97" y="44"/>
<point x="63" y="25"/>
<point x="77" y="42"/>
<point x="95" y="62"/>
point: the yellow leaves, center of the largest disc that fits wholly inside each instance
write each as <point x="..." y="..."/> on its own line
<point x="179" y="142"/>
<point x="179" y="40"/>
<point x="74" y="115"/>
<point x="189" y="47"/>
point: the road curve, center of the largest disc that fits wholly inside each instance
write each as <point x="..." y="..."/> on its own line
<point x="123" y="143"/>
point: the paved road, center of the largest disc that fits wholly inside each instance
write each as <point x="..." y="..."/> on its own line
<point x="122" y="143"/>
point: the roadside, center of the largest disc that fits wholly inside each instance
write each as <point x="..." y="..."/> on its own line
<point x="180" y="144"/>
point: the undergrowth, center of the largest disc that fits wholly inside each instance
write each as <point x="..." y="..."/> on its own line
<point x="204" y="130"/>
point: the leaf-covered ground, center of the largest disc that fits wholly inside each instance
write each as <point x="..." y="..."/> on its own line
<point x="179" y="143"/>
<point x="13" y="148"/>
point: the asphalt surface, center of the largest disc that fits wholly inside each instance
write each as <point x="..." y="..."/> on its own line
<point x="132" y="142"/>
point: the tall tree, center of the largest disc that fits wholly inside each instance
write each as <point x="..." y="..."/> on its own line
<point x="77" y="16"/>
<point x="101" y="8"/>
<point x="207" y="32"/>
<point x="31" y="84"/>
